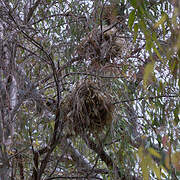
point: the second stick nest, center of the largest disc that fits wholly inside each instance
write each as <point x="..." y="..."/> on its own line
<point x="87" y="108"/>
<point x="103" y="44"/>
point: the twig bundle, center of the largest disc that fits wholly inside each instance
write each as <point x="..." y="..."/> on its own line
<point x="87" y="108"/>
<point x="102" y="44"/>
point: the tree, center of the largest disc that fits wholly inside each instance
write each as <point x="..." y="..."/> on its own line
<point x="89" y="89"/>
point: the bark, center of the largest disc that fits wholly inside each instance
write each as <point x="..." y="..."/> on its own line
<point x="8" y="100"/>
<point x="8" y="94"/>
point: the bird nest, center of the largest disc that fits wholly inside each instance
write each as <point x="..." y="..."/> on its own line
<point x="102" y="44"/>
<point x="86" y="108"/>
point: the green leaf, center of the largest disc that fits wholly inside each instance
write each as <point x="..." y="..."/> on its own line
<point x="143" y="162"/>
<point x="154" y="36"/>
<point x="154" y="153"/>
<point x="131" y="19"/>
<point x="148" y="71"/>
<point x="157" y="53"/>
<point x="164" y="31"/>
<point x="145" y="169"/>
<point x="133" y="3"/>
<point x="135" y="32"/>
<point x="148" y="45"/>
<point x="52" y="123"/>
<point x="176" y="115"/>
<point x="176" y="160"/>
<point x="161" y="21"/>
<point x="142" y="25"/>
<point x="156" y="169"/>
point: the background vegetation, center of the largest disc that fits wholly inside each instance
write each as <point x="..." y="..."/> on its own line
<point x="131" y="48"/>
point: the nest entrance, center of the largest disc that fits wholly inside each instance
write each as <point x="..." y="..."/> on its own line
<point x="87" y="108"/>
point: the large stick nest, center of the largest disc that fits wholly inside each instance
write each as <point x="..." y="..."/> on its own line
<point x="87" y="108"/>
<point x="105" y="44"/>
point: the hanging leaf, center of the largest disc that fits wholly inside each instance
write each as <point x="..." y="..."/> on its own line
<point x="155" y="169"/>
<point x="154" y="153"/>
<point x="176" y="160"/>
<point x="143" y="162"/>
<point x="176" y="115"/>
<point x="131" y="19"/>
<point x="135" y="32"/>
<point x="157" y="53"/>
<point x="161" y="21"/>
<point x="148" y="72"/>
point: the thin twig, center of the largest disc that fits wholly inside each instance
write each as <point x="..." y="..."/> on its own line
<point x="151" y="97"/>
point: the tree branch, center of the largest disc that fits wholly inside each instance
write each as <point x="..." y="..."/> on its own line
<point x="31" y="11"/>
<point x="150" y="98"/>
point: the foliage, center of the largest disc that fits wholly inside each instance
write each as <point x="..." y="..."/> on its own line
<point x="129" y="50"/>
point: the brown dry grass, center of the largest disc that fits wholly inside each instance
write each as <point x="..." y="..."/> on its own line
<point x="87" y="108"/>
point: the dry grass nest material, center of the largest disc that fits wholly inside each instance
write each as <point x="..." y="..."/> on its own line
<point x="87" y="108"/>
<point x="102" y="45"/>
